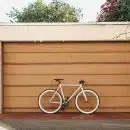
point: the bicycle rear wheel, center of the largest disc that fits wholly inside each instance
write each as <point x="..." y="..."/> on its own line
<point x="50" y="101"/>
<point x="87" y="101"/>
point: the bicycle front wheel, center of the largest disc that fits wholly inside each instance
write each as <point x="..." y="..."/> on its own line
<point x="87" y="101"/>
<point x="50" y="101"/>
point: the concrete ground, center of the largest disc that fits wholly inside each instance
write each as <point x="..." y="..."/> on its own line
<point x="65" y="122"/>
<point x="41" y="124"/>
<point x="4" y="126"/>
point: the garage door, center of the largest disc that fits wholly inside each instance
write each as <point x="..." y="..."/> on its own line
<point x="30" y="68"/>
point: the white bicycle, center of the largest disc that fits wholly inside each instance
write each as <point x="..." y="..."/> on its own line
<point x="51" y="101"/>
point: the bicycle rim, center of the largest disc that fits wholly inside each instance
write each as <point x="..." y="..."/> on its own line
<point x="44" y="101"/>
<point x="89" y="106"/>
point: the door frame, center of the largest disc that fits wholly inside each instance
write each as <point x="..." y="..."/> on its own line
<point x="1" y="79"/>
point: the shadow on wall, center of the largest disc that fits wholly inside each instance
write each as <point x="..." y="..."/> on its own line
<point x="124" y="35"/>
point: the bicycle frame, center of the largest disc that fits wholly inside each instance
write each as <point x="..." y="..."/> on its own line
<point x="62" y="93"/>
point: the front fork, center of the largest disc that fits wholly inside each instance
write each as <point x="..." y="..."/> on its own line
<point x="84" y="94"/>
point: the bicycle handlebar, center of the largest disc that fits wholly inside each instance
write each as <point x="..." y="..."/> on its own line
<point x="81" y="82"/>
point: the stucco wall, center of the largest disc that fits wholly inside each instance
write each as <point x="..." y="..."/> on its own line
<point x="64" y="32"/>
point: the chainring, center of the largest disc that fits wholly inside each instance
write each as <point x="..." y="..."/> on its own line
<point x="65" y="104"/>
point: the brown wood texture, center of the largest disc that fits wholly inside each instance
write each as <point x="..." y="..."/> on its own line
<point x="45" y="80"/>
<point x="68" y="69"/>
<point x="123" y="109"/>
<point x="35" y="91"/>
<point x="41" y="58"/>
<point x="68" y="47"/>
<point x="30" y="68"/>
<point x="26" y="102"/>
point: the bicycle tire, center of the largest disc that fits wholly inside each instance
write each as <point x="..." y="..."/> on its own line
<point x="97" y="105"/>
<point x="43" y="107"/>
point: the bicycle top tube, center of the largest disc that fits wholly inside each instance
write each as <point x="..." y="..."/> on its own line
<point x="71" y="84"/>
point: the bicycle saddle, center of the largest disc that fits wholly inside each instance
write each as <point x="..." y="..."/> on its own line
<point x="58" y="80"/>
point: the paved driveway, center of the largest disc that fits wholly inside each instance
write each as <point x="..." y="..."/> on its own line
<point x="43" y="124"/>
<point x="65" y="121"/>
